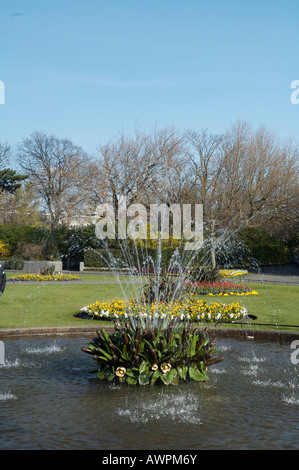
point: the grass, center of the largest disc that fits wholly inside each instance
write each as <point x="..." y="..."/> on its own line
<point x="275" y="304"/>
<point x="43" y="304"/>
<point x="50" y="305"/>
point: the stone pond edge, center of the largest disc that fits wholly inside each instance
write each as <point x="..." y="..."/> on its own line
<point x="239" y="333"/>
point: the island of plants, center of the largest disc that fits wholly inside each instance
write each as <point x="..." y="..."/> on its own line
<point x="173" y="299"/>
<point x="218" y="288"/>
<point x="190" y="308"/>
<point x="154" y="350"/>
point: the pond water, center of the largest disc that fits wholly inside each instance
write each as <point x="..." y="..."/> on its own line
<point x="49" y="400"/>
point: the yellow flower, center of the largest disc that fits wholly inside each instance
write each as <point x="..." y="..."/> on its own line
<point x="165" y="367"/>
<point x="121" y="371"/>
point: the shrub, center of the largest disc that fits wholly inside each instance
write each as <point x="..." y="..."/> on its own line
<point x="4" y="251"/>
<point x="47" y="270"/>
<point x="30" y="251"/>
<point x="265" y="248"/>
<point x="16" y="263"/>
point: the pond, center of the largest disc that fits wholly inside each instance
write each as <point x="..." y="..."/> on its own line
<point x="49" y="400"/>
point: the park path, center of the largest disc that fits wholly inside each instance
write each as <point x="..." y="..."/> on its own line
<point x="284" y="275"/>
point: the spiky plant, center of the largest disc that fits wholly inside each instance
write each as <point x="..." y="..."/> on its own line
<point x="152" y="349"/>
<point x="163" y="289"/>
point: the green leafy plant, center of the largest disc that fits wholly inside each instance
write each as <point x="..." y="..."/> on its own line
<point x="157" y="350"/>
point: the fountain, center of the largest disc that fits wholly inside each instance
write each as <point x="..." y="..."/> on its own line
<point x="151" y="346"/>
<point x="248" y="398"/>
<point x="153" y="340"/>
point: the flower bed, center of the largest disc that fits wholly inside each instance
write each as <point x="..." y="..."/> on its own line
<point x="232" y="272"/>
<point x="49" y="277"/>
<point x="190" y="309"/>
<point x="219" y="288"/>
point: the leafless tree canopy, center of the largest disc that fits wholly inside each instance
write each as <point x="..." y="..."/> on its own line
<point x="135" y="166"/>
<point x="244" y="176"/>
<point x="5" y="155"/>
<point x="54" y="166"/>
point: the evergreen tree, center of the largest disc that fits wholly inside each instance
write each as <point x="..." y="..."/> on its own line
<point x="10" y="180"/>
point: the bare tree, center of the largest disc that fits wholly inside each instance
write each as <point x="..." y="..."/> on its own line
<point x="5" y="154"/>
<point x="54" y="167"/>
<point x="260" y="176"/>
<point x="206" y="153"/>
<point x="132" y="166"/>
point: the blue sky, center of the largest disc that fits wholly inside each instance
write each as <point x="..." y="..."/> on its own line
<point x="89" y="69"/>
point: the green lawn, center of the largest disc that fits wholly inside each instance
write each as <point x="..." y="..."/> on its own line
<point x="274" y="304"/>
<point x="50" y="305"/>
<point x="43" y="304"/>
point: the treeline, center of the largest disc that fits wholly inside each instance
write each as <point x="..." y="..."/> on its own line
<point x="246" y="179"/>
<point x="251" y="248"/>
